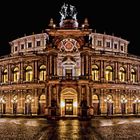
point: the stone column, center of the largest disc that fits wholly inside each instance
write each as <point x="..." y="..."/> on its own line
<point x="88" y="93"/>
<point x="79" y="95"/>
<point x="50" y="65"/>
<point x="90" y="68"/>
<point x="35" y="102"/>
<point x="35" y="71"/>
<point x="50" y="87"/>
<point x="58" y="100"/>
<point x="21" y="103"/>
<point x="8" y="103"/>
<point x="117" y="104"/>
<point x="79" y="101"/>
<point x="82" y="65"/>
<point x="57" y="95"/>
<point x="91" y="93"/>
<point x="129" y="103"/>
<point x="116" y="72"/>
<point x="46" y="94"/>
<point x="102" y="69"/>
<point x="21" y="72"/>
<point x="87" y="66"/>
<point x="10" y="75"/>
<point x="103" y="105"/>
<point x="128" y="72"/>
<point x="55" y="65"/>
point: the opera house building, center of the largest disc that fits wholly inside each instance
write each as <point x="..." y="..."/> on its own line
<point x="69" y="70"/>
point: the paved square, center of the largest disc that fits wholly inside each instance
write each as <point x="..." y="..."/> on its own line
<point x="96" y="129"/>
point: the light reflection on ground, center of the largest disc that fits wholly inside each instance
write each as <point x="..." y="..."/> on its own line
<point x="96" y="129"/>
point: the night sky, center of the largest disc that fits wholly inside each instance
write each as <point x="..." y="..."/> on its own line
<point x="113" y="17"/>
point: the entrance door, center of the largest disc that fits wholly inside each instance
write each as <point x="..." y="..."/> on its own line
<point x="68" y="106"/>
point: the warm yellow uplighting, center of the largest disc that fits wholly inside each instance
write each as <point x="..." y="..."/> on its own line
<point x="75" y="104"/>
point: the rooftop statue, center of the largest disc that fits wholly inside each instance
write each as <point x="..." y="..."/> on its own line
<point x="68" y="12"/>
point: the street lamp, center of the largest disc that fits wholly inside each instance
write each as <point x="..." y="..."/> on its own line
<point x="29" y="101"/>
<point x="137" y="101"/>
<point x="14" y="101"/>
<point x="123" y="102"/>
<point x="108" y="101"/>
<point x="2" y="101"/>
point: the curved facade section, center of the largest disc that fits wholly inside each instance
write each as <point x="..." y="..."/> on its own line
<point x="26" y="44"/>
<point x="103" y="42"/>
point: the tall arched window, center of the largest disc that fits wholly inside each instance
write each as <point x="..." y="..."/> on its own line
<point x="42" y="73"/>
<point x="109" y="73"/>
<point x="95" y="99"/>
<point x="28" y="104"/>
<point x="133" y="75"/>
<point x="109" y="104"/>
<point x="42" y="104"/>
<point x="95" y="104"/>
<point x="95" y="72"/>
<point x="14" y="101"/>
<point x="29" y="73"/>
<point x="16" y="74"/>
<point x="5" y="76"/>
<point x="122" y="74"/>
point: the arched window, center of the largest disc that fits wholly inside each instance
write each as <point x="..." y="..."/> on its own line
<point x="122" y="74"/>
<point x="29" y="73"/>
<point x="42" y="104"/>
<point x="15" y="97"/>
<point x="95" y="104"/>
<point x="28" y="104"/>
<point x="5" y="76"/>
<point x="16" y="74"/>
<point x="133" y="75"/>
<point x="28" y="98"/>
<point x="123" y="104"/>
<point x="109" y="73"/>
<point x="95" y="72"/>
<point x="95" y="99"/>
<point x="42" y="73"/>
<point x="109" y="98"/>
<point x="14" y="101"/>
<point x="123" y="99"/>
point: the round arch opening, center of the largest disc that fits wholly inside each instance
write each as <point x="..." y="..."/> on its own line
<point x="69" y="102"/>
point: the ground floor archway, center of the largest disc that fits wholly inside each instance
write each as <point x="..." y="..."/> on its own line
<point x="42" y="104"/>
<point x="69" y="102"/>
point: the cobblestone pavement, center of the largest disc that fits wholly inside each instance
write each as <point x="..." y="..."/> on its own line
<point x="96" y="129"/>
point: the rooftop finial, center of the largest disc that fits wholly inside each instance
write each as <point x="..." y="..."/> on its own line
<point x="51" y="22"/>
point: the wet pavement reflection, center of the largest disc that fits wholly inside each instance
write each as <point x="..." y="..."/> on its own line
<point x="95" y="129"/>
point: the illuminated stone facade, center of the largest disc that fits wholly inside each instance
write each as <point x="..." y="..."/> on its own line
<point x="69" y="71"/>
